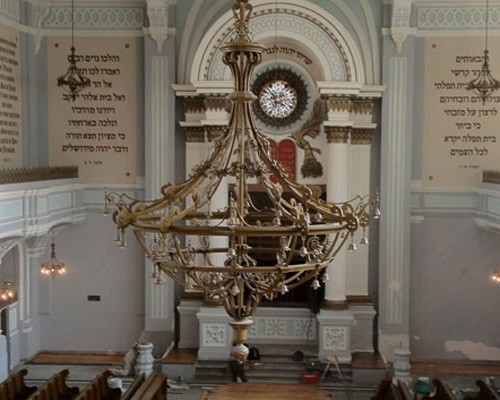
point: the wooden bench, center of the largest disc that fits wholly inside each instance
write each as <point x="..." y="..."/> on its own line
<point x="153" y="388"/>
<point x="14" y="387"/>
<point x="486" y="392"/>
<point x="443" y="391"/>
<point x="99" y="389"/>
<point x="134" y="386"/>
<point x="56" y="388"/>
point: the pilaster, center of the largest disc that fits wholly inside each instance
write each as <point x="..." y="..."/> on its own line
<point x="160" y="167"/>
<point x="394" y="226"/>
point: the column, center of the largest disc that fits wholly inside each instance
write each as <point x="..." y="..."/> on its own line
<point x="337" y="191"/>
<point x="335" y="319"/>
<point x="160" y="167"/>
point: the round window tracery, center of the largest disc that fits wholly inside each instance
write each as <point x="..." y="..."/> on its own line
<point x="278" y="99"/>
<point x="282" y="97"/>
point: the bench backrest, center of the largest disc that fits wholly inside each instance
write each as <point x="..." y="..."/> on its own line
<point x="99" y="389"/>
<point x="443" y="391"/>
<point x="14" y="387"/>
<point x="486" y="392"/>
<point x="134" y="386"/>
<point x="153" y="388"/>
<point x="55" y="388"/>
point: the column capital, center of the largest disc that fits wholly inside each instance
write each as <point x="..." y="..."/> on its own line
<point x="337" y="134"/>
<point x="157" y="11"/>
<point x="362" y="135"/>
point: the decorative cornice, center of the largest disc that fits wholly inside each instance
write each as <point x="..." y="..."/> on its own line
<point x="400" y="22"/>
<point x="17" y="175"/>
<point x="337" y="134"/>
<point x="102" y="18"/>
<point x="362" y="136"/>
<point x="363" y="107"/>
<point x="195" y="135"/>
<point x="339" y="104"/>
<point x="11" y="9"/>
<point x="217" y="104"/>
<point x="443" y="17"/>
<point x="194" y="105"/>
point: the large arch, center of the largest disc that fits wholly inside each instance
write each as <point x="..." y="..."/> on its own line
<point x="327" y="40"/>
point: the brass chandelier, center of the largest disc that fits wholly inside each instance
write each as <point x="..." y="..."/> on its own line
<point x="73" y="81"/>
<point x="241" y="253"/>
<point x="484" y="84"/>
<point x="53" y="267"/>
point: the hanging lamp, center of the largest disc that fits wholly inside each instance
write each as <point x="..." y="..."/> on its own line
<point x="73" y="82"/>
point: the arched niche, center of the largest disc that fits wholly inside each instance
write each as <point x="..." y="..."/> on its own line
<point x="297" y="25"/>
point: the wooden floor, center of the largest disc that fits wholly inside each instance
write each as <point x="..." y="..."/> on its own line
<point x="266" y="391"/>
<point x="78" y="358"/>
<point x="189" y="356"/>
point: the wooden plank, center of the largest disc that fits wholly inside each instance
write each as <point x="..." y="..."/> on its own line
<point x="266" y="391"/>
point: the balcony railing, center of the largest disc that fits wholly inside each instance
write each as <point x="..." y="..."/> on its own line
<point x="18" y="175"/>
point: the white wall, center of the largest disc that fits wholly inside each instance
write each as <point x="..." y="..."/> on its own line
<point x="96" y="266"/>
<point x="454" y="304"/>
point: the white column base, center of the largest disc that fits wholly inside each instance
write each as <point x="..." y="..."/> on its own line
<point x="335" y="330"/>
<point x="189" y="337"/>
<point x="215" y="334"/>
<point x="362" y="329"/>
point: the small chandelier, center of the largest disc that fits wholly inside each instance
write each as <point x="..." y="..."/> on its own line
<point x="484" y="84"/>
<point x="241" y="253"/>
<point x="495" y="277"/>
<point x="53" y="267"/>
<point x="72" y="81"/>
<point x="7" y="292"/>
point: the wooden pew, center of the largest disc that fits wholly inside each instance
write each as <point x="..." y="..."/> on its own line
<point x="134" y="386"/>
<point x="56" y="388"/>
<point x="486" y="392"/>
<point x="14" y="387"/>
<point x="387" y="391"/>
<point x="153" y="388"/>
<point x="404" y="391"/>
<point x="443" y="391"/>
<point x="99" y="389"/>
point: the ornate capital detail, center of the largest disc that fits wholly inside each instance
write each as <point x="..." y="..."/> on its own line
<point x="337" y="134"/>
<point x="217" y="104"/>
<point x="157" y="11"/>
<point x="195" y="135"/>
<point x="214" y="132"/>
<point x="193" y="105"/>
<point x="400" y="22"/>
<point x="362" y="135"/>
<point x="339" y="104"/>
<point x="363" y="108"/>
